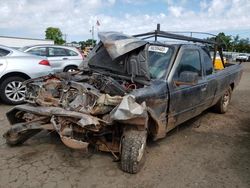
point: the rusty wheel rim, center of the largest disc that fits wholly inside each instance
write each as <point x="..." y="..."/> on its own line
<point x="226" y="99"/>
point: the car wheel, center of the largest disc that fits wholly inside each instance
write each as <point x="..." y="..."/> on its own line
<point x="70" y="69"/>
<point x="222" y="105"/>
<point x="12" y="90"/>
<point x="133" y="147"/>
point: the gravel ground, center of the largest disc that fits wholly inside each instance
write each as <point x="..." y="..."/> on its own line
<point x="211" y="150"/>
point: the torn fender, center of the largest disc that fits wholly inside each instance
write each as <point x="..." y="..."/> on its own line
<point x="130" y="112"/>
<point x="74" y="144"/>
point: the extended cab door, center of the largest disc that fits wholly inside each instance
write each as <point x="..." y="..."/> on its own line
<point x="187" y="85"/>
<point x="209" y="75"/>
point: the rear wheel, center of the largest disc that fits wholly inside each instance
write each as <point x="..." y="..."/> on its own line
<point x="12" y="91"/>
<point x="133" y="147"/>
<point x="222" y="105"/>
<point x="70" y="69"/>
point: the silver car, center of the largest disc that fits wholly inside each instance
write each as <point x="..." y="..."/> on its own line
<point x="15" y="67"/>
<point x="61" y="58"/>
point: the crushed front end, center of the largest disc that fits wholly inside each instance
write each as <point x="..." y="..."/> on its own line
<point x="83" y="109"/>
<point x="112" y="104"/>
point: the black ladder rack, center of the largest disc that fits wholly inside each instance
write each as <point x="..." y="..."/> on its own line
<point x="163" y="34"/>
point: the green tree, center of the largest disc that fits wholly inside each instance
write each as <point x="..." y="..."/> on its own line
<point x="240" y="44"/>
<point x="235" y="42"/>
<point x="82" y="44"/>
<point x="226" y="41"/>
<point x="54" y="34"/>
<point x="87" y="43"/>
<point x="90" y="42"/>
<point x="243" y="45"/>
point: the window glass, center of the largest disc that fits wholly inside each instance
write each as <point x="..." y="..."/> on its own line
<point x="24" y="48"/>
<point x="208" y="64"/>
<point x="54" y="52"/>
<point x="71" y="53"/>
<point x="190" y="61"/>
<point x="3" y="52"/>
<point x="38" y="51"/>
<point x="159" y="58"/>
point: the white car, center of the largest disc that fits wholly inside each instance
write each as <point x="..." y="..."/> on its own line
<point x="242" y="57"/>
<point x="61" y="58"/>
<point x="16" y="67"/>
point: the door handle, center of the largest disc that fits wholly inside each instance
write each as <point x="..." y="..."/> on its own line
<point x="65" y="58"/>
<point x="204" y="87"/>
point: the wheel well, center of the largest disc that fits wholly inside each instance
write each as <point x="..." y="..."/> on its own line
<point x="69" y="66"/>
<point x="232" y="86"/>
<point x="152" y="127"/>
<point x="20" y="74"/>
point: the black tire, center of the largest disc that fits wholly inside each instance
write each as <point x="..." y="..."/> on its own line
<point x="70" y="68"/>
<point x="222" y="105"/>
<point x="3" y="86"/>
<point x="14" y="139"/>
<point x="133" y="148"/>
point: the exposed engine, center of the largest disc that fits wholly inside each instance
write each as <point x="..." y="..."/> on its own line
<point x="82" y="109"/>
<point x="55" y="90"/>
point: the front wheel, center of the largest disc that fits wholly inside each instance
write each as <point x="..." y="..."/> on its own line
<point x="12" y="91"/>
<point x="222" y="105"/>
<point x="133" y="147"/>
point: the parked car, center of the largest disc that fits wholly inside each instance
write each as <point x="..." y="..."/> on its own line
<point x="133" y="89"/>
<point x="242" y="58"/>
<point x="15" y="67"/>
<point x="61" y="58"/>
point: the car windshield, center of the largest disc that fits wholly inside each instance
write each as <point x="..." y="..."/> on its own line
<point x="159" y="59"/>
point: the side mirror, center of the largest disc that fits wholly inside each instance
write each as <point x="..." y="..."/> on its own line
<point x="187" y="78"/>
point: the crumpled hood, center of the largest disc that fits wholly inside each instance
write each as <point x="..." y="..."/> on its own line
<point x="118" y="44"/>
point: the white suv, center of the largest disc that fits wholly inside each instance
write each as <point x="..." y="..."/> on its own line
<point x="242" y="57"/>
<point x="61" y="58"/>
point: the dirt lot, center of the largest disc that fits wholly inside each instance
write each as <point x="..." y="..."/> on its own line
<point x="209" y="151"/>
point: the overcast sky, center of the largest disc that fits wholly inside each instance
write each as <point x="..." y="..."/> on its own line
<point x="30" y="18"/>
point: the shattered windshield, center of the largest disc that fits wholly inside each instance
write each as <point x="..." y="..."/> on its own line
<point x="159" y="59"/>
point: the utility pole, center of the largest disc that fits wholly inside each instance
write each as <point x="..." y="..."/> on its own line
<point x="65" y="38"/>
<point x="93" y="30"/>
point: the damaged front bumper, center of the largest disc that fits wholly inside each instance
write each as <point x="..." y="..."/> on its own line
<point x="101" y="125"/>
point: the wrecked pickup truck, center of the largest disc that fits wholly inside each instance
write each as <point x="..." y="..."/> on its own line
<point x="132" y="89"/>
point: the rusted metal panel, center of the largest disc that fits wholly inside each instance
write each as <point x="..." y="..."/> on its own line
<point x="118" y="44"/>
<point x="74" y="144"/>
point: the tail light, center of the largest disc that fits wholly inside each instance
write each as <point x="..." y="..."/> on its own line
<point x="44" y="62"/>
<point x="81" y="54"/>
